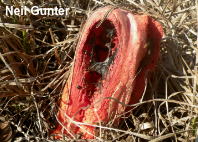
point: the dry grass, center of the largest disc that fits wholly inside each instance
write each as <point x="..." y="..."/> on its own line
<point x="36" y="54"/>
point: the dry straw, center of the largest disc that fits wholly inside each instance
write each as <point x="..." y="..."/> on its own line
<point x="35" y="63"/>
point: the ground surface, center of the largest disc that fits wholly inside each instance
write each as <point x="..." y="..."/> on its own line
<point x="37" y="52"/>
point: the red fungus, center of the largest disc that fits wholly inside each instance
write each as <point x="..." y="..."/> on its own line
<point x="107" y="60"/>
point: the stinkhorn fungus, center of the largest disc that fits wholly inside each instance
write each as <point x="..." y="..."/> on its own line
<point x="114" y="46"/>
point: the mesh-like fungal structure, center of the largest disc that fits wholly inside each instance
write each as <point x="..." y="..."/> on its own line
<point x="108" y="57"/>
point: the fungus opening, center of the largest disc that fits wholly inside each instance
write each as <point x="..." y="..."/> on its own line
<point x="100" y="50"/>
